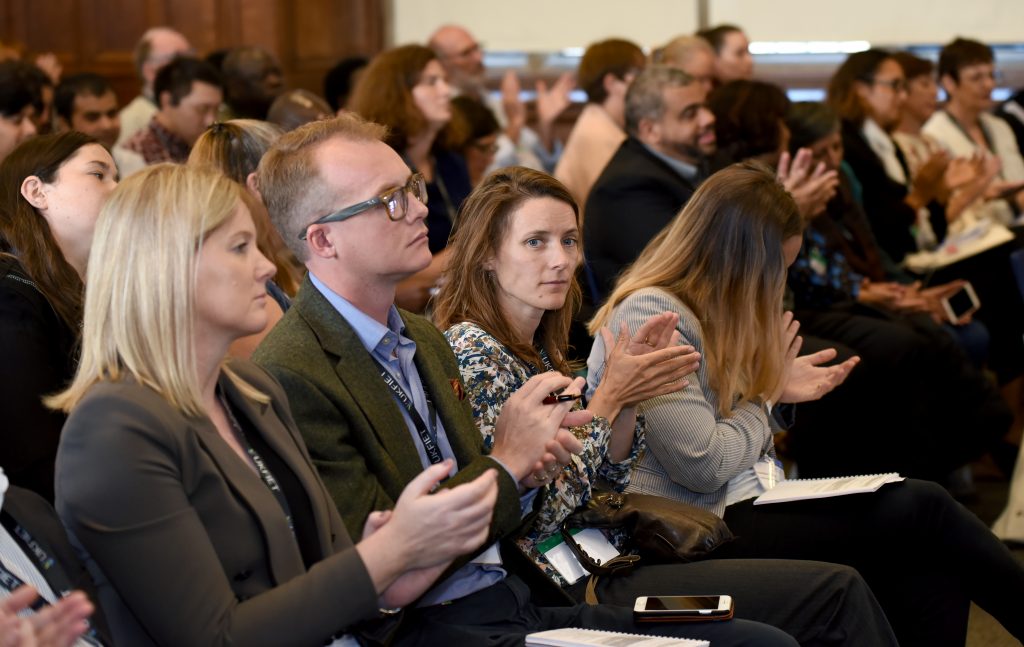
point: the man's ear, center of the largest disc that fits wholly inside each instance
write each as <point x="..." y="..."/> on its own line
<point x="32" y="191"/>
<point x="320" y="242"/>
<point x="648" y="131"/>
<point x="164" y="100"/>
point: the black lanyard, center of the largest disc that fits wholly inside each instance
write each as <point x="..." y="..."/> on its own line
<point x="428" y="435"/>
<point x="40" y="557"/>
<point x="261" y="467"/>
<point x="981" y="127"/>
<point x="547" y="360"/>
<point x="449" y="206"/>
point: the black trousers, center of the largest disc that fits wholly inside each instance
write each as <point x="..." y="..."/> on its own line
<point x="502" y="614"/>
<point x="1002" y="308"/>
<point x="924" y="555"/>
<point x="817" y="603"/>
<point x="914" y="404"/>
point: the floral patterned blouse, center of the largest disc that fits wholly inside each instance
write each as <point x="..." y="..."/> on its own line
<point x="492" y="374"/>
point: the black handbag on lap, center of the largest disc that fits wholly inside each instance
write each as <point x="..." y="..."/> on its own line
<point x="660" y="529"/>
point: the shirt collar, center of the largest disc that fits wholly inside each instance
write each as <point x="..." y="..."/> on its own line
<point x="876" y="136"/>
<point x="371" y="332"/>
<point x="885" y="148"/>
<point x="688" y="171"/>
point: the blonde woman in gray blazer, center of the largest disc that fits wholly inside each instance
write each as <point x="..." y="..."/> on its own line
<point x="183" y="476"/>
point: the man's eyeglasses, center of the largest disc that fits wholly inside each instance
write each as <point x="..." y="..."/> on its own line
<point x="395" y="200"/>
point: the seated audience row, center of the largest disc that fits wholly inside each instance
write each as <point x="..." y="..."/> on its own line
<point x="506" y="303"/>
<point x="359" y="412"/>
<point x="343" y="344"/>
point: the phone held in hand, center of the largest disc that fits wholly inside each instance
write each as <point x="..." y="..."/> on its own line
<point x="682" y="608"/>
<point x="961" y="303"/>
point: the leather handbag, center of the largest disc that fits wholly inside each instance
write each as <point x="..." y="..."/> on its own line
<point x="660" y="529"/>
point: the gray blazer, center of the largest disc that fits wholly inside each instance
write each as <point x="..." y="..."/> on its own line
<point x="692" y="451"/>
<point x="187" y="544"/>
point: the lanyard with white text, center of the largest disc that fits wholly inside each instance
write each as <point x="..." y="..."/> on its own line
<point x="547" y="360"/>
<point x="428" y="436"/>
<point x="40" y="557"/>
<point x="261" y="466"/>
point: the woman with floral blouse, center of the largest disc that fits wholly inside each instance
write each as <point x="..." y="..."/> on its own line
<point x="508" y="296"/>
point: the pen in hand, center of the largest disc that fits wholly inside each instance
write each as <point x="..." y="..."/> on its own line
<point x="555" y="399"/>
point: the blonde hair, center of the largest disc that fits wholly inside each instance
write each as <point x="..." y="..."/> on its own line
<point x="678" y="51"/>
<point x="140" y="291"/>
<point x="290" y="181"/>
<point x="722" y="256"/>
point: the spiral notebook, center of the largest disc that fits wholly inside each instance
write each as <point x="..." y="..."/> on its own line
<point x="571" y="637"/>
<point x="802" y="489"/>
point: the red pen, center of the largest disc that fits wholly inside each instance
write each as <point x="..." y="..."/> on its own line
<point x="555" y="399"/>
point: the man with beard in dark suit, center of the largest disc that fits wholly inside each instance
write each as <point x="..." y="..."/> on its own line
<point x="654" y="172"/>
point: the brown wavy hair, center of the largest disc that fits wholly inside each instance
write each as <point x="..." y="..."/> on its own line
<point x="25" y="234"/>
<point x="469" y="292"/>
<point x="722" y="256"/>
<point x="383" y="95"/>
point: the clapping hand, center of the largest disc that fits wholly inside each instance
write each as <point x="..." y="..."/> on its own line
<point x="531" y="438"/>
<point x="430" y="526"/>
<point x="515" y="111"/>
<point x="803" y="378"/>
<point x="55" y="625"/>
<point x="811" y="186"/>
<point x="808" y="380"/>
<point x="559" y="450"/>
<point x="645" y="365"/>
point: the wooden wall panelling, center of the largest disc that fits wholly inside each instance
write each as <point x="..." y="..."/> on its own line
<point x="99" y="35"/>
<point x="322" y="32"/>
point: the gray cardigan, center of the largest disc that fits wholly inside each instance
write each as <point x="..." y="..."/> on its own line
<point x="692" y="452"/>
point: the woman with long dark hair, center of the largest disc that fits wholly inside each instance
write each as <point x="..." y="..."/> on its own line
<point x="51" y="190"/>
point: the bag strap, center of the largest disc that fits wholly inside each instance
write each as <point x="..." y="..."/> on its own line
<point x="616" y="566"/>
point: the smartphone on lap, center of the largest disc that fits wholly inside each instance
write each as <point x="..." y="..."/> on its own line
<point x="682" y="608"/>
<point x="962" y="302"/>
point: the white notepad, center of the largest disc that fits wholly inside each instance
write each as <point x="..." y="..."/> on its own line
<point x="571" y="637"/>
<point x="802" y="489"/>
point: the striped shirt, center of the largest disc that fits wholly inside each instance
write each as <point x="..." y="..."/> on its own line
<point x="17" y="562"/>
<point x="692" y="452"/>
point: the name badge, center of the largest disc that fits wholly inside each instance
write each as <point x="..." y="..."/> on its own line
<point x="769" y="472"/>
<point x="490" y="556"/>
<point x="562" y="558"/>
